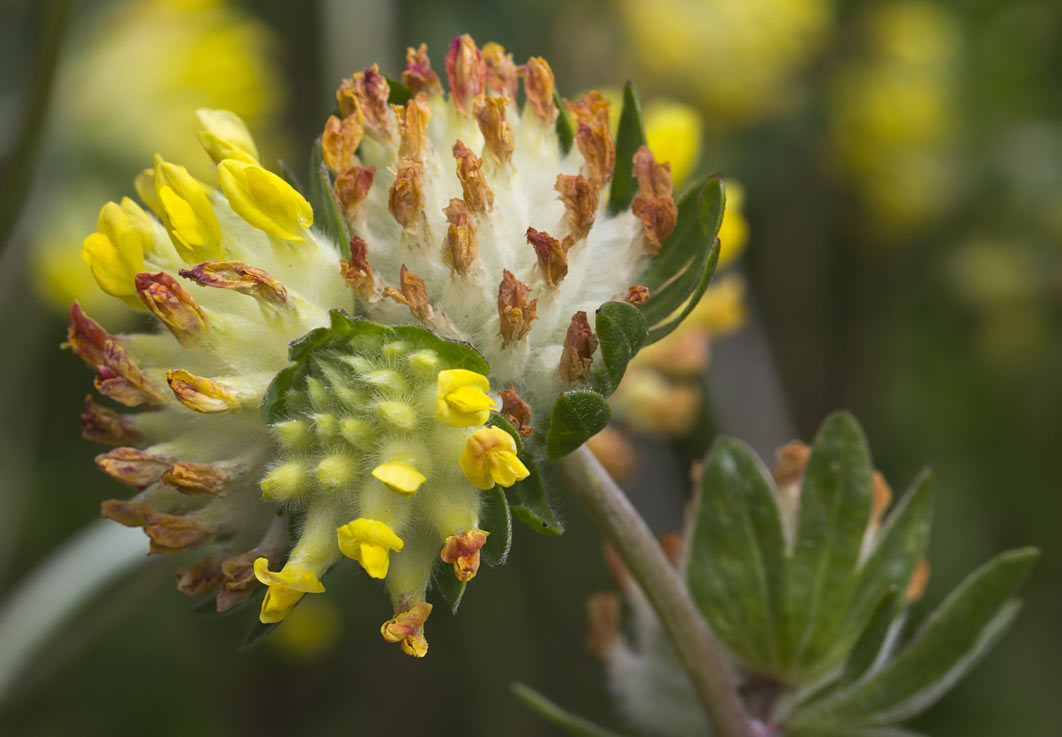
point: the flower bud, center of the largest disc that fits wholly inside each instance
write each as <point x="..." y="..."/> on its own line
<point x="223" y="135"/>
<point x="494" y="125"/>
<point x="340" y="141"/>
<point x="200" y="394"/>
<point x="461" y="247"/>
<point x="265" y="200"/>
<point x="501" y="72"/>
<point x="174" y="306"/>
<point x="476" y="193"/>
<point x="552" y="255"/>
<point x="466" y="72"/>
<point x="580" y="197"/>
<point x="539" y="86"/>
<point x="184" y="207"/>
<point x="418" y="75"/>
<point x="515" y="310"/>
<point x="357" y="272"/>
<point x="579" y="346"/>
<point x="413" y="294"/>
<point x="133" y="467"/>
<point x="405" y="201"/>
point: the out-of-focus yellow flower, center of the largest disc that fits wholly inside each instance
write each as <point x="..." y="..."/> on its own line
<point x="674" y="131"/>
<point x="893" y="113"/>
<point x="125" y="93"/>
<point x="310" y="631"/>
<point x="739" y="57"/>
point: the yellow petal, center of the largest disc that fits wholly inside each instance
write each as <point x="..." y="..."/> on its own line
<point x="369" y="542"/>
<point x="184" y="206"/>
<point x="286" y="587"/>
<point x="674" y="132"/>
<point x="401" y="477"/>
<point x="265" y="200"/>
<point x="461" y="398"/>
<point x="490" y="458"/>
<point x="115" y="253"/>
<point x="225" y="136"/>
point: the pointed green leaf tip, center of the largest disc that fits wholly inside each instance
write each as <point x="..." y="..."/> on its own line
<point x="629" y="138"/>
<point x="327" y="214"/>
<point x="564" y="124"/>
<point x="568" y="722"/>
<point x="954" y="638"/>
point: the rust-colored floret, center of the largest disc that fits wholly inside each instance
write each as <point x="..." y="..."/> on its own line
<point x="367" y="92"/>
<point x="654" y="205"/>
<point x="515" y="308"/>
<point x="552" y="255"/>
<point x="340" y="141"/>
<point x="120" y="378"/>
<point x="637" y="295"/>
<point x="461" y="248"/>
<point x="239" y="277"/>
<point x="199" y="393"/>
<point x="413" y="295"/>
<point x="539" y="86"/>
<point x="494" y="125"/>
<point x="462" y="551"/>
<point x="103" y="425"/>
<point x="133" y="467"/>
<point x="466" y="72"/>
<point x="413" y="126"/>
<point x="579" y="346"/>
<point x="470" y="173"/>
<point x="200" y="577"/>
<point x="418" y="75"/>
<point x="85" y="337"/>
<point x="171" y="303"/>
<point x="170" y="533"/>
<point x="194" y="479"/>
<point x="352" y="188"/>
<point x="406" y="199"/>
<point x="580" y="197"/>
<point x="501" y="71"/>
<point x="516" y="411"/>
<point x="358" y="272"/>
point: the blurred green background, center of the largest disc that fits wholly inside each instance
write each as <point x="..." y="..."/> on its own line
<point x="902" y="167"/>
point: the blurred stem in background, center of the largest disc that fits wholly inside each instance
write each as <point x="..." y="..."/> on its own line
<point x="697" y="649"/>
<point x="25" y="146"/>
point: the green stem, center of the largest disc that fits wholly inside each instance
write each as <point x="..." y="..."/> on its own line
<point x="697" y="649"/>
<point x="18" y="169"/>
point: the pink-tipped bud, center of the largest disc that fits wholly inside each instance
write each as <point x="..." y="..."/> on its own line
<point x="501" y="71"/>
<point x="466" y="72"/>
<point x="539" y="86"/>
<point x="133" y="467"/>
<point x="494" y="125"/>
<point x="85" y="337"/>
<point x="106" y="426"/>
<point x="418" y="75"/>
<point x="239" y="277"/>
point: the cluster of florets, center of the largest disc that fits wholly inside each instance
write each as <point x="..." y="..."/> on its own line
<point x="374" y="444"/>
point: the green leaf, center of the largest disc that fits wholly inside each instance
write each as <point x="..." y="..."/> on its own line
<point x="564" y="124"/>
<point x="832" y="519"/>
<point x="699" y="275"/>
<point x="577" y="415"/>
<point x="448" y="584"/>
<point x="273" y="404"/>
<point x="570" y="723"/>
<point x="737" y="555"/>
<point x="872" y="643"/>
<point x="629" y="138"/>
<point x="326" y="212"/>
<point x="398" y="93"/>
<point x="530" y="505"/>
<point x="700" y="213"/>
<point x="496" y="518"/>
<point x="952" y="640"/>
<point x="679" y="275"/>
<point x="901" y="543"/>
<point x="258" y="633"/>
<point x="621" y="332"/>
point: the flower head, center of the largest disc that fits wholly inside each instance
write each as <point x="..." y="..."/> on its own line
<point x="321" y="384"/>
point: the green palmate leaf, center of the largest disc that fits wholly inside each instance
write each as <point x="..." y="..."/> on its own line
<point x="570" y="723"/>
<point x="577" y="415"/>
<point x="900" y="545"/>
<point x="621" y="332"/>
<point x="326" y="212"/>
<point x="737" y="555"/>
<point x="448" y="585"/>
<point x="952" y="640"/>
<point x="530" y="505"/>
<point x="822" y="578"/>
<point x="629" y="138"/>
<point x="564" y="124"/>
<point x="398" y="93"/>
<point x="496" y="518"/>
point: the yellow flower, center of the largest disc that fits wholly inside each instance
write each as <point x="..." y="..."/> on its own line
<point x="181" y="202"/>
<point x="369" y="542"/>
<point x="265" y="200"/>
<point x="674" y="131"/>
<point x="115" y="252"/>
<point x="462" y="399"/>
<point x="400" y="477"/>
<point x="490" y="458"/>
<point x="734" y="230"/>
<point x="286" y="587"/>
<point x="224" y="136"/>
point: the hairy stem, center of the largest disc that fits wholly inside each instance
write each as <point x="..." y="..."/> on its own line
<point x="697" y="649"/>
